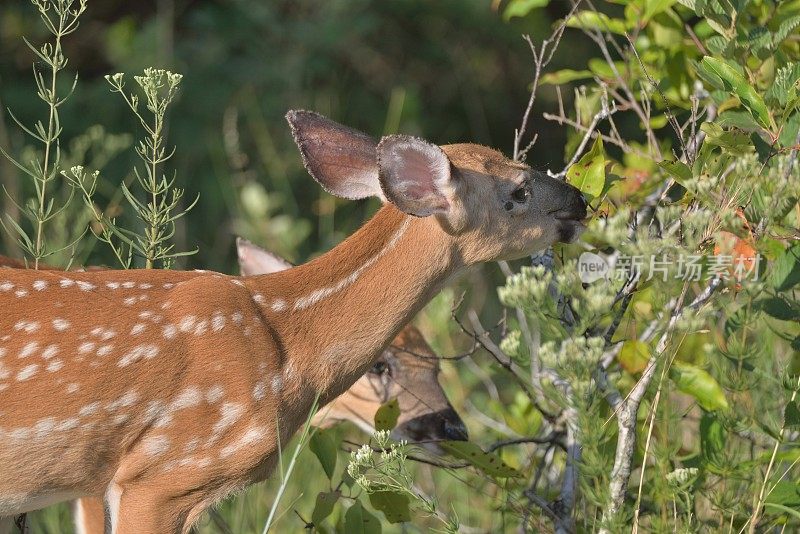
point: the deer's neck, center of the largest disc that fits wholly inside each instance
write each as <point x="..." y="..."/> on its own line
<point x="335" y="314"/>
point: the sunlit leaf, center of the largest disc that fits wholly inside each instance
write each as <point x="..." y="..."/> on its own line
<point x="634" y="356"/>
<point x="589" y="173"/>
<point x="712" y="437"/>
<point x="736" y="141"/>
<point x="724" y="76"/>
<point x="678" y="170"/>
<point x="386" y="416"/>
<point x="700" y="385"/>
<point x="594" y="20"/>
<point x="654" y="7"/>
<point x="565" y="76"/>
<point x="520" y="8"/>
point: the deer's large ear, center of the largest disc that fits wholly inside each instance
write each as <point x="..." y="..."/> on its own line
<point x="341" y="159"/>
<point x="255" y="260"/>
<point x="415" y="175"/>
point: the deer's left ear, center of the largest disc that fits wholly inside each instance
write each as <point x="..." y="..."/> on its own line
<point x="415" y="175"/>
<point x="255" y="260"/>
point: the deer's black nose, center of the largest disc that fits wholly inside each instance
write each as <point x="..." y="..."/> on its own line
<point x="582" y="203"/>
<point x="444" y="424"/>
<point x="455" y="430"/>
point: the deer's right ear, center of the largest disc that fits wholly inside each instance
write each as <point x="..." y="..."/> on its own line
<point x="255" y="260"/>
<point x="415" y="175"/>
<point x="344" y="161"/>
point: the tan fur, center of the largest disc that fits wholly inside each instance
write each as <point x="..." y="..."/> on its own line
<point x="410" y="376"/>
<point x="156" y="388"/>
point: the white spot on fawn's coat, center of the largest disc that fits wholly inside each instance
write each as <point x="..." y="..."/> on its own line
<point x="27" y="372"/>
<point x="60" y="324"/>
<point x="156" y="445"/>
<point x="28" y="349"/>
<point x="139" y="352"/>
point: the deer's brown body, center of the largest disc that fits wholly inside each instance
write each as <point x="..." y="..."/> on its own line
<point x="406" y="371"/>
<point x="165" y="391"/>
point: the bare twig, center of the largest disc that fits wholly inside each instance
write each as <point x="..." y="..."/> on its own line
<point x="482" y="336"/>
<point x="541" y="58"/>
<point x="553" y="438"/>
<point x="562" y="119"/>
<point x="565" y="504"/>
<point x="604" y="113"/>
<point x="628" y="409"/>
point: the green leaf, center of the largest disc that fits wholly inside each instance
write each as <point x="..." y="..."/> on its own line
<point x="324" y="506"/>
<point x="762" y="147"/>
<point x="784" y="86"/>
<point x="490" y="464"/>
<point x="323" y="446"/>
<point x="654" y="7"/>
<point x="347" y="480"/>
<point x="791" y="416"/>
<point x="700" y="385"/>
<point x="634" y="355"/>
<point x="677" y="169"/>
<point x="786" y="28"/>
<point x="589" y="173"/>
<point x="565" y="76"/>
<point x="784" y="509"/>
<point x="785" y="493"/>
<point x="712" y="437"/>
<point x="778" y="308"/>
<point x="358" y="520"/>
<point x="593" y="20"/>
<point x="520" y="8"/>
<point x="735" y="141"/>
<point x="738" y="119"/>
<point x="786" y="270"/>
<point x="386" y="416"/>
<point x="393" y="505"/>
<point x="723" y="76"/>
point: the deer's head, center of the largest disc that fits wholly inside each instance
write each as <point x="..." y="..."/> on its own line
<point x="493" y="208"/>
<point x="408" y="371"/>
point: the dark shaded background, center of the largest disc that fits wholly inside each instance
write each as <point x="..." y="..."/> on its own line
<point x="449" y="70"/>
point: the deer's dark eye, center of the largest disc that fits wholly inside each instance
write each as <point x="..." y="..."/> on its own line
<point x="379" y="368"/>
<point x="520" y="195"/>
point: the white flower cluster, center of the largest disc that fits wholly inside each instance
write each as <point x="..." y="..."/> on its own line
<point x="612" y="230"/>
<point x="529" y="286"/>
<point x="512" y="345"/>
<point x="572" y="354"/>
<point x="681" y="477"/>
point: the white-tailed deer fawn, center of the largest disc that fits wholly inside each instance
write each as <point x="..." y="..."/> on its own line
<point x="406" y="371"/>
<point x="164" y="391"/>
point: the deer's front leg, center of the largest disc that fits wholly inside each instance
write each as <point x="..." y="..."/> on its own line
<point x="88" y="515"/>
<point x="145" y="508"/>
